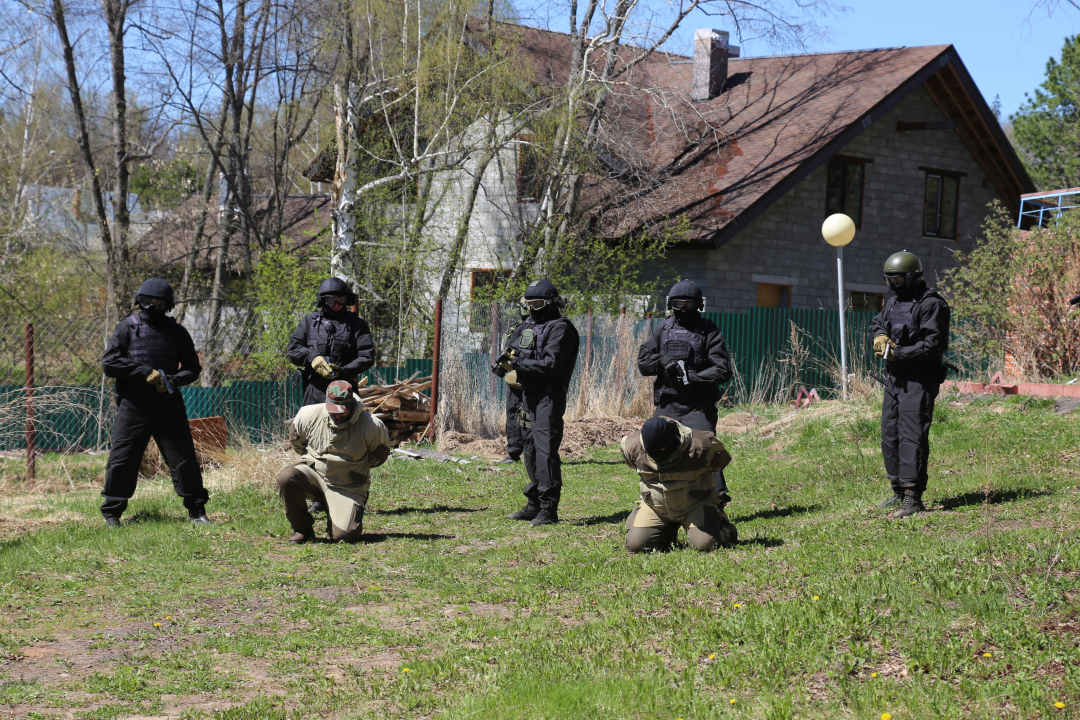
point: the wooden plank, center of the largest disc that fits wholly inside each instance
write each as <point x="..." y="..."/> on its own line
<point x="412" y="416"/>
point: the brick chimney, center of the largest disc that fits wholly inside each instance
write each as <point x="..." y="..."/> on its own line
<point x="711" y="53"/>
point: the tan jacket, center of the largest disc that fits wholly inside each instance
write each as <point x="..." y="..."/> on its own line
<point x="340" y="457"/>
<point x="678" y="486"/>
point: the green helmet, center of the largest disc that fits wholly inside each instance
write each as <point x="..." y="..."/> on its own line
<point x="902" y="263"/>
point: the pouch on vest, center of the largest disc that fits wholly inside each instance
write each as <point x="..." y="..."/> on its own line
<point x="524" y="418"/>
<point x="528" y="339"/>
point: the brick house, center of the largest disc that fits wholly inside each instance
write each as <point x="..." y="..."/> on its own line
<point x="900" y="139"/>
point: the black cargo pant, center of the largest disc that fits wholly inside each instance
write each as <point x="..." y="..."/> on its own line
<point x="164" y="418"/>
<point x="542" y="432"/>
<point x="696" y="416"/>
<point x="906" y="414"/>
<point x="515" y="444"/>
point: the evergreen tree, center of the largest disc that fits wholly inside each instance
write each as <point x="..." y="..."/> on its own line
<point x="1047" y="127"/>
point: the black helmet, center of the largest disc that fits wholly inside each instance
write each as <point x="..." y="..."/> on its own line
<point x="543" y="290"/>
<point x="154" y="288"/>
<point x="903" y="271"/>
<point x="686" y="290"/>
<point x="334" y="287"/>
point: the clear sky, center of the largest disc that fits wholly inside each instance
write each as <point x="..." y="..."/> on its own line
<point x="1004" y="43"/>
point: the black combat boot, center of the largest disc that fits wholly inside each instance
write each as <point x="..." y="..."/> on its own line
<point x="509" y="460"/>
<point x="896" y="499"/>
<point x="111" y="522"/>
<point x="526" y="513"/>
<point x="546" y="516"/>
<point x="912" y="504"/>
<point x="317" y="506"/>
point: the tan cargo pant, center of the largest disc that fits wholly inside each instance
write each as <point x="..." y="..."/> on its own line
<point x="707" y="528"/>
<point x="295" y="488"/>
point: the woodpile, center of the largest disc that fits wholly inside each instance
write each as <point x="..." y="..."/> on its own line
<point x="403" y="407"/>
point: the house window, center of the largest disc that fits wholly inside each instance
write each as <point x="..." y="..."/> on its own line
<point x="528" y="170"/>
<point x="844" y="188"/>
<point x="481" y="282"/>
<point x="772" y="295"/>
<point x="867" y="302"/>
<point x="942" y="204"/>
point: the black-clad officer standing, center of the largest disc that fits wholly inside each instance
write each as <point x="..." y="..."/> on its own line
<point x="151" y="355"/>
<point x="515" y="444"/>
<point x="687" y="355"/>
<point x="912" y="335"/>
<point x="332" y="343"/>
<point x="544" y="355"/>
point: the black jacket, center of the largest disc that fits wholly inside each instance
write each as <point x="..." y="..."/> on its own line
<point x="554" y="364"/>
<point x="705" y="382"/>
<point x="130" y="375"/>
<point x="924" y="343"/>
<point x="357" y="358"/>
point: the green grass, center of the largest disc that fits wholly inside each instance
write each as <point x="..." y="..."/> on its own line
<point x="825" y="608"/>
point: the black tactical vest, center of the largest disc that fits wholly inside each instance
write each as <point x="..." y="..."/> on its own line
<point x="536" y="345"/>
<point x="684" y="343"/>
<point x="155" y="345"/>
<point x="332" y="338"/>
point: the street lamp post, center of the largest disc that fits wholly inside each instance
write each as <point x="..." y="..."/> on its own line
<point x="838" y="230"/>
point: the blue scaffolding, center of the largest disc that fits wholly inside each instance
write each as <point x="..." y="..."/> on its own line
<point x="1042" y="207"/>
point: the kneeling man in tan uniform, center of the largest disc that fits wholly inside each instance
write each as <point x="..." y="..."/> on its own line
<point x="676" y="466"/>
<point x="339" y="443"/>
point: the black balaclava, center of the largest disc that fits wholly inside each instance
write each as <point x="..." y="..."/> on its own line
<point x="686" y="290"/>
<point x="158" y="289"/>
<point x="660" y="438"/>
<point x="543" y="289"/>
<point x="913" y="283"/>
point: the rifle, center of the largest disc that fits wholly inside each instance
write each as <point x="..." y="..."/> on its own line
<point x="948" y="366"/>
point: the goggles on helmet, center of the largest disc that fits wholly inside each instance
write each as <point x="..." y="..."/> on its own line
<point x="683" y="304"/>
<point x="334" y="299"/>
<point x="537" y="303"/>
<point x="152" y="302"/>
<point x="896" y="281"/>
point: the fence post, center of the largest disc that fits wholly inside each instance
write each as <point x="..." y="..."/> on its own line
<point x="619" y="370"/>
<point x="31" y="439"/>
<point x="588" y="360"/>
<point x="494" y="343"/>
<point x="435" y="369"/>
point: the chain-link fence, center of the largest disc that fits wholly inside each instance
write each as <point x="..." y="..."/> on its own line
<point x="605" y="382"/>
<point x="53" y="395"/>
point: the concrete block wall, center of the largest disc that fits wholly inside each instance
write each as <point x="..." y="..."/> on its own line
<point x="784" y="243"/>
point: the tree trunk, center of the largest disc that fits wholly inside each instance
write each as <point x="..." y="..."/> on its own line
<point x="114" y="269"/>
<point x="204" y="209"/>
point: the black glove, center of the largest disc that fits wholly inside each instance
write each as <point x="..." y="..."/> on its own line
<point x="676" y="373"/>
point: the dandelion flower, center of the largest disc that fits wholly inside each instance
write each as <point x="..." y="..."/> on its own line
<point x="987" y="655"/>
<point x="732" y="701"/>
<point x="712" y="656"/>
<point x="873" y="674"/>
<point x="1059" y="705"/>
<point x="168" y="617"/>
<point x="738" y="605"/>
<point x="157" y="624"/>
<point x="886" y="716"/>
<point x="405" y="670"/>
<point x="816" y="597"/>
